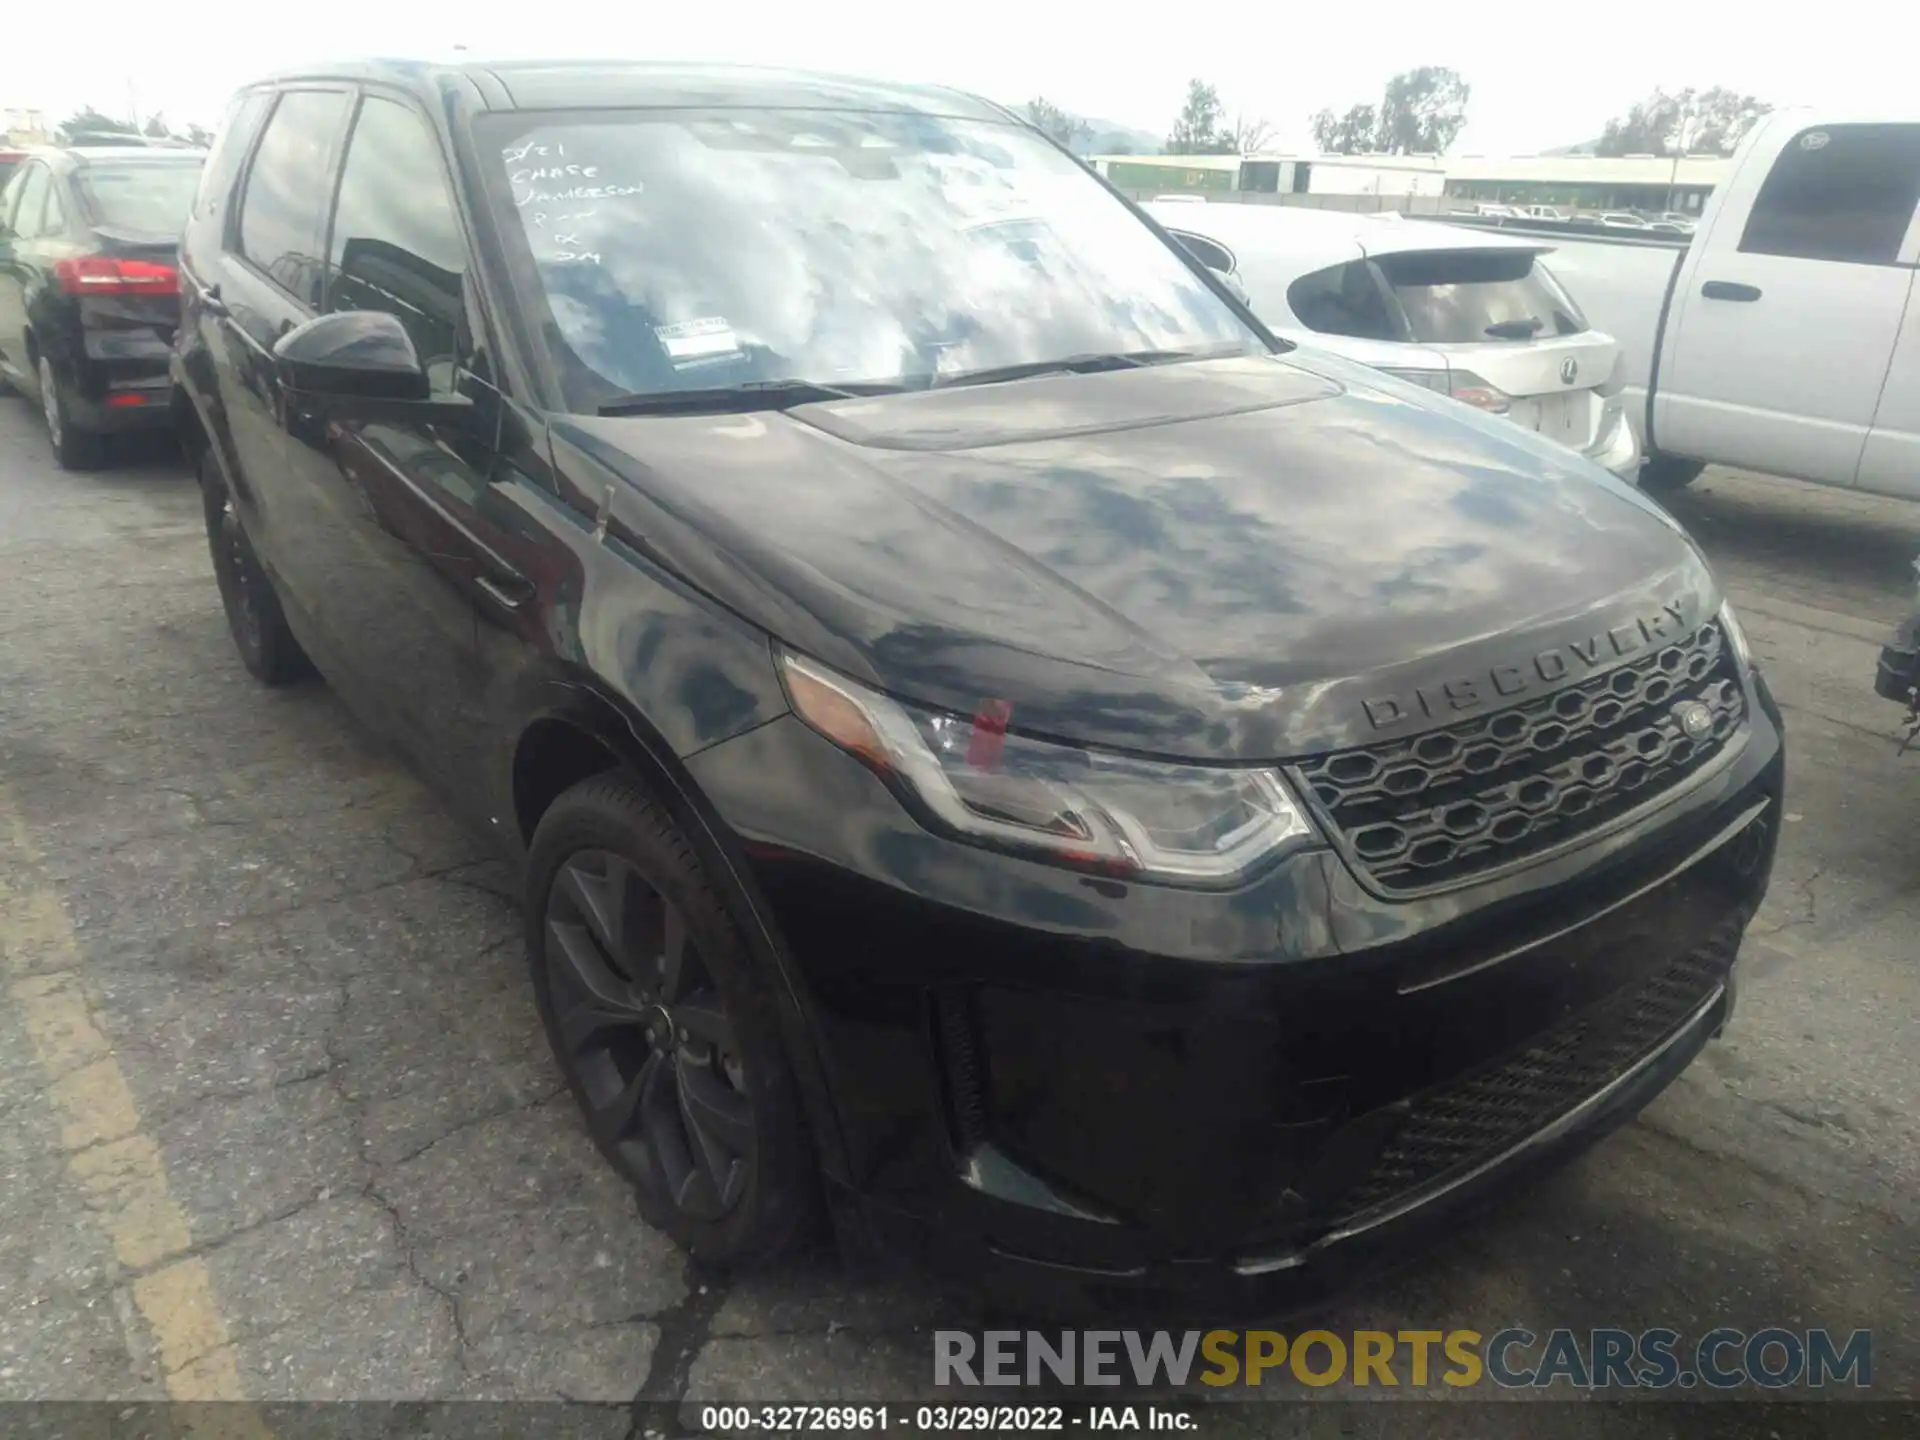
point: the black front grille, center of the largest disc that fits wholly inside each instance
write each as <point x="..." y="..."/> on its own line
<point x="1423" y="813"/>
<point x="1456" y="1127"/>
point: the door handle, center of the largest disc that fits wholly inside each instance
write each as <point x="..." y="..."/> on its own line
<point x="1729" y="290"/>
<point x="509" y="592"/>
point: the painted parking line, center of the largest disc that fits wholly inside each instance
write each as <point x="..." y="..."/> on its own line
<point x="117" y="1170"/>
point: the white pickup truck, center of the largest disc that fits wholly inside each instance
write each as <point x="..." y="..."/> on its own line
<point x="1785" y="337"/>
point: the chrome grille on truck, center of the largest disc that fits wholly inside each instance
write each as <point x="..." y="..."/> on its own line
<point x="1420" y="814"/>
<point x="1458" y="1126"/>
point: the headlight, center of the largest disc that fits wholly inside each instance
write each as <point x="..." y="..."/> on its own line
<point x="1187" y="824"/>
<point x="1736" y="637"/>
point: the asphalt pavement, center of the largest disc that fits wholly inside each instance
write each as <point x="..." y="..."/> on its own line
<point x="277" y="1121"/>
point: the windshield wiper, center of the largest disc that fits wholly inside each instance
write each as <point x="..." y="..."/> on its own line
<point x="751" y="395"/>
<point x="1516" y="329"/>
<point x="1079" y="365"/>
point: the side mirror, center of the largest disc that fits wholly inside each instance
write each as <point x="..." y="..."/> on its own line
<point x="352" y="354"/>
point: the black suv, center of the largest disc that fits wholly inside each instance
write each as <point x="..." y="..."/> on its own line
<point x="991" y="738"/>
<point x="88" y="294"/>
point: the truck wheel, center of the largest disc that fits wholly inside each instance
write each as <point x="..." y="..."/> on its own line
<point x="1666" y="475"/>
<point x="664" y="1032"/>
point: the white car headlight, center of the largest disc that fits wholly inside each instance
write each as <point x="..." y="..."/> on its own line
<point x="1736" y="637"/>
<point x="1193" y="825"/>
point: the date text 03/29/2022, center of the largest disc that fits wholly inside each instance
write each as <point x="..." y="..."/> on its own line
<point x="938" y="1419"/>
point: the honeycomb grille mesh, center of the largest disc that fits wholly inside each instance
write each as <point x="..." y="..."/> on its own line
<point x="1470" y="1122"/>
<point x="1439" y="808"/>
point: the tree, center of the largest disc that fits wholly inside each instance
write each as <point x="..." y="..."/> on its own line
<point x="156" y="127"/>
<point x="1247" y="135"/>
<point x="1349" y="134"/>
<point x="1700" y="122"/>
<point x="89" y="121"/>
<point x="1421" y="113"/>
<point x="1048" y="118"/>
<point x="199" y="135"/>
<point x="1197" y="128"/>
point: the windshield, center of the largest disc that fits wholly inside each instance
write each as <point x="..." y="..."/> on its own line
<point x="672" y="251"/>
<point x="149" y="198"/>
<point x="1462" y="296"/>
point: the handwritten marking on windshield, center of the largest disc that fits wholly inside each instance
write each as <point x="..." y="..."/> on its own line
<point x="551" y="172"/>
<point x="514" y="154"/>
<point x="578" y="192"/>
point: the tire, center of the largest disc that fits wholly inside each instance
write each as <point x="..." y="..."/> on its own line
<point x="1666" y="475"/>
<point x="615" y="893"/>
<point x="73" y="448"/>
<point x="254" y="617"/>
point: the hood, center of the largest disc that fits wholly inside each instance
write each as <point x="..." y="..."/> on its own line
<point x="1243" y="559"/>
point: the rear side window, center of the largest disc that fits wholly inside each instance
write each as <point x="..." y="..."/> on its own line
<point x="1472" y="296"/>
<point x="1345" y="300"/>
<point x="397" y="241"/>
<point x="1839" y="192"/>
<point x="53" y="218"/>
<point x="13" y="213"/>
<point x="1209" y="253"/>
<point x="33" y="202"/>
<point x="285" y="206"/>
<point x="237" y="129"/>
<point x="148" y="199"/>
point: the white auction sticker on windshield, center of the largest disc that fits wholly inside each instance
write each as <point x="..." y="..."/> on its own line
<point x="697" y="339"/>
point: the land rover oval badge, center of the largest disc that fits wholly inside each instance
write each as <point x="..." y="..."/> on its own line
<point x="1696" y="720"/>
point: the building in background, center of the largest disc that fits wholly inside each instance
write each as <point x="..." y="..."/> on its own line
<point x="1274" y="174"/>
<point x="24" y="128"/>
<point x="1650" y="183"/>
<point x="1677" y="183"/>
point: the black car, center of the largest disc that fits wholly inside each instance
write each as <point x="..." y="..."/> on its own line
<point x="89" y="237"/>
<point x="991" y="738"/>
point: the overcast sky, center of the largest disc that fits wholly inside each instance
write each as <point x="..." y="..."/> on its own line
<point x="1541" y="77"/>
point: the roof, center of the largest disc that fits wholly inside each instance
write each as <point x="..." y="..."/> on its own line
<point x="157" y="154"/>
<point x="523" y="84"/>
<point x="83" y="155"/>
<point x="1316" y="238"/>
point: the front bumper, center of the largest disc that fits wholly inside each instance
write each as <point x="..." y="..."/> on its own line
<point x="1056" y="1084"/>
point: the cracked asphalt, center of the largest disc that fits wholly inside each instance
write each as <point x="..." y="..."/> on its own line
<point x="277" y="1120"/>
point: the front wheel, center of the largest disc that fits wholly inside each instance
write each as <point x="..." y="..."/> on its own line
<point x="668" y="1040"/>
<point x="254" y="618"/>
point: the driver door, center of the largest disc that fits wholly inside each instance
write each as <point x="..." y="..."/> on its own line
<point x="399" y="583"/>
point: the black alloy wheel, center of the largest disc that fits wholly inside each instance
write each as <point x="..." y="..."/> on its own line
<point x="668" y="1041"/>
<point x="254" y="618"/>
<point x="646" y="1035"/>
<point x="73" y="447"/>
